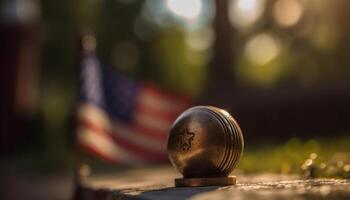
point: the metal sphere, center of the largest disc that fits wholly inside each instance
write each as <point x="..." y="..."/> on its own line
<point x="205" y="142"/>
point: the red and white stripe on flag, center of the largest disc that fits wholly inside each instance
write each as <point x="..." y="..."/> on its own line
<point x="141" y="141"/>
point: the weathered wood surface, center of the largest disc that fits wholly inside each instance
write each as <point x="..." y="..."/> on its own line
<point x="158" y="183"/>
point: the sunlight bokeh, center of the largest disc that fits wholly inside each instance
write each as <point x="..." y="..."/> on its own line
<point x="244" y="13"/>
<point x="188" y="9"/>
<point x="287" y="12"/>
<point x="262" y="49"/>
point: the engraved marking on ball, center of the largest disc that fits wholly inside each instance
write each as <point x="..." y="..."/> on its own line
<point x="185" y="139"/>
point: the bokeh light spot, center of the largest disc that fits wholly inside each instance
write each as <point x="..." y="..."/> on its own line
<point x="287" y="12"/>
<point x="262" y="49"/>
<point x="188" y="9"/>
<point x="244" y="13"/>
<point x="200" y="40"/>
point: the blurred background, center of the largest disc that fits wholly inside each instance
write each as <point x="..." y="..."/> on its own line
<point x="281" y="67"/>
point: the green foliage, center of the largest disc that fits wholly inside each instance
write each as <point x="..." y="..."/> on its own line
<point x="267" y="75"/>
<point x="179" y="66"/>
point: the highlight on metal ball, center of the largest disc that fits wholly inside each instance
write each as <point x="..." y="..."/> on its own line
<point x="205" y="144"/>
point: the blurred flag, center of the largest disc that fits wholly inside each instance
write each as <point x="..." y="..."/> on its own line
<point x="122" y="121"/>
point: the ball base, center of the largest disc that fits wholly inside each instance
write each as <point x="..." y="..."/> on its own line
<point x="200" y="182"/>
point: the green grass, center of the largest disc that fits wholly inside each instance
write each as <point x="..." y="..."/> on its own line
<point x="288" y="158"/>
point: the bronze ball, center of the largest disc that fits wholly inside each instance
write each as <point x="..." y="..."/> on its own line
<point x="205" y="144"/>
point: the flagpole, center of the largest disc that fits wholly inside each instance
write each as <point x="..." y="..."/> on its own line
<point x="86" y="45"/>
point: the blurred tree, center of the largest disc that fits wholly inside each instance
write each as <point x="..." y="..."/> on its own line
<point x="58" y="76"/>
<point x="221" y="76"/>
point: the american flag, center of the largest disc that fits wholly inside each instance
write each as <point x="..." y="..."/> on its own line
<point x="124" y="121"/>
